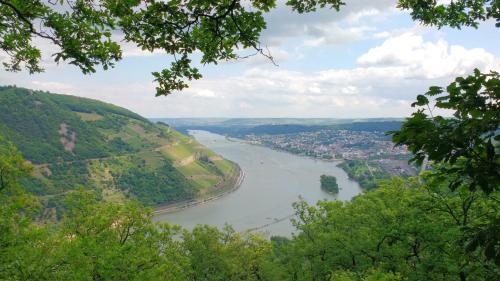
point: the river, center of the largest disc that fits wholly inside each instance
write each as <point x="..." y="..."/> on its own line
<point x="273" y="181"/>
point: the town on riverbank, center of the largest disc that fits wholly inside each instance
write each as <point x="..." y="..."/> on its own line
<point x="362" y="147"/>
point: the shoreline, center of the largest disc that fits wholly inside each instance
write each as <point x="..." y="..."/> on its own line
<point x="174" y="207"/>
<point x="338" y="161"/>
<point x="333" y="160"/>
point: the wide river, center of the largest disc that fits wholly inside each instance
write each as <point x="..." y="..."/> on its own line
<point x="273" y="181"/>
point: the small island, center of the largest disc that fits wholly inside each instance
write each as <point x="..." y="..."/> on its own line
<point x="329" y="184"/>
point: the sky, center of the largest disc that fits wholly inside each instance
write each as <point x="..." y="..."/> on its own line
<point x="368" y="60"/>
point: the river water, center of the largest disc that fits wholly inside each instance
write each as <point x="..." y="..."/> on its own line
<point x="273" y="181"/>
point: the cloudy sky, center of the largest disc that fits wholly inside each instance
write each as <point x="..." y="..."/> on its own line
<point x="369" y="60"/>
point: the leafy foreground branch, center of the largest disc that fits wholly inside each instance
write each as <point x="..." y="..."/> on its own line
<point x="468" y="143"/>
<point x="91" y="33"/>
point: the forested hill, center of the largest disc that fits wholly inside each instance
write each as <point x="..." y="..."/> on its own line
<point x="77" y="142"/>
<point x="37" y="122"/>
<point x="242" y="129"/>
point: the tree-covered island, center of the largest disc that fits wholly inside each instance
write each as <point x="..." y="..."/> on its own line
<point x="329" y="184"/>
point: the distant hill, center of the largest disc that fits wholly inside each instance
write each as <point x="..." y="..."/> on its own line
<point x="241" y="127"/>
<point x="253" y="122"/>
<point x="77" y="142"/>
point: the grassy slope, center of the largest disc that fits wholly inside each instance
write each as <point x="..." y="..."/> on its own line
<point x="116" y="151"/>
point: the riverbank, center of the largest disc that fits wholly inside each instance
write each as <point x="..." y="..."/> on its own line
<point x="340" y="162"/>
<point x="273" y="181"/>
<point x="226" y="187"/>
<point x="333" y="160"/>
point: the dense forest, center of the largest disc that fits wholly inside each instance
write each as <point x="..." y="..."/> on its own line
<point x="76" y="142"/>
<point x="413" y="229"/>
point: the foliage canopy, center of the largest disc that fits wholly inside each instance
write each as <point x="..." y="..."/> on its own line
<point x="87" y="33"/>
<point x="404" y="230"/>
<point x="329" y="184"/>
<point x="468" y="143"/>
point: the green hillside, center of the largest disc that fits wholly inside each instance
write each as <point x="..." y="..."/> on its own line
<point x="76" y="142"/>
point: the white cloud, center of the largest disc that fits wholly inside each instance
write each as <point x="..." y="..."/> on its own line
<point x="55" y="87"/>
<point x="381" y="35"/>
<point x="384" y="83"/>
<point x="132" y="50"/>
<point x="204" y="93"/>
<point x="326" y="26"/>
<point x="356" y="17"/>
<point x="334" y="34"/>
<point x="416" y="57"/>
<point x="315" y="89"/>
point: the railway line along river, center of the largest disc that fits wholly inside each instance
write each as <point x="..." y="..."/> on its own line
<point x="273" y="181"/>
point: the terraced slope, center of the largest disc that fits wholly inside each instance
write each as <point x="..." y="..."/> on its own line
<point x="81" y="143"/>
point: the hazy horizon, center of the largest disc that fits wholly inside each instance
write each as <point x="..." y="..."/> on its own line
<point x="263" y="117"/>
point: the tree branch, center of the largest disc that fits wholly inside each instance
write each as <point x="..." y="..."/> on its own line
<point x="28" y="22"/>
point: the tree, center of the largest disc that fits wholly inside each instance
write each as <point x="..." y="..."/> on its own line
<point x="86" y="33"/>
<point x="464" y="149"/>
<point x="17" y="234"/>
<point x="113" y="241"/>
<point x="467" y="145"/>
<point x="454" y="14"/>
<point x="329" y="184"/>
<point x="412" y="230"/>
<point x="98" y="240"/>
<point x="224" y="255"/>
<point x="12" y="166"/>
